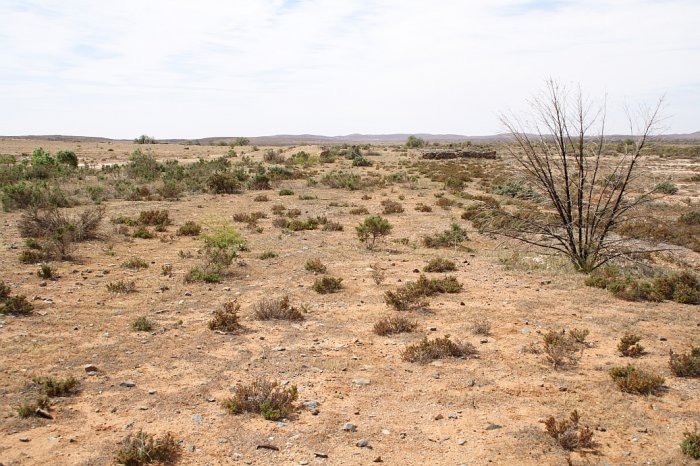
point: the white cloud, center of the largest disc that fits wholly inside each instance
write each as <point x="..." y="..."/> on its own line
<point x="192" y="69"/>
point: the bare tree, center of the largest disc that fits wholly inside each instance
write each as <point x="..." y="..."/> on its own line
<point x="562" y="154"/>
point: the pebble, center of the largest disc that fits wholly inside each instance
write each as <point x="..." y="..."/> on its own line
<point x="360" y="381"/>
<point x="91" y="369"/>
<point x="432" y="329"/>
<point x="493" y="426"/>
<point x="378" y="459"/>
<point x="437" y="417"/>
<point x="151" y="392"/>
<point x="312" y="406"/>
<point x="279" y="348"/>
<point x="362" y="443"/>
<point x="452" y="416"/>
<point x="197" y="418"/>
<point x="318" y="454"/>
<point x="461" y="441"/>
<point x="24" y="439"/>
<point x="349" y="427"/>
<point x="127" y="384"/>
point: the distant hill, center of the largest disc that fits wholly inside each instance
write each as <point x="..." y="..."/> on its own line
<point x="281" y="139"/>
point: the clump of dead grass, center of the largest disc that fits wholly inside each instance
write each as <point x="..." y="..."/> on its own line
<point x="439" y="348"/>
<point x="267" y="398"/>
<point x="568" y="433"/>
<point x="394" y="325"/>
<point x="276" y="309"/>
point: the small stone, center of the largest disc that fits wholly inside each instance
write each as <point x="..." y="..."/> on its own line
<point x="493" y="426"/>
<point x="188" y="293"/>
<point x="279" y="348"/>
<point x="90" y="368"/>
<point x="24" y="439"/>
<point x="349" y="427"/>
<point x="311" y="406"/>
<point x="360" y="381"/>
<point x="452" y="416"/>
<point x="416" y="271"/>
<point x="362" y="443"/>
<point x="461" y="441"/>
<point x="143" y="408"/>
<point x="402" y="435"/>
<point x="318" y="454"/>
<point x="378" y="459"/>
<point x="432" y="329"/>
<point x="525" y="330"/>
<point x="197" y="418"/>
<point x="437" y="417"/>
<point x="386" y="432"/>
<point x="303" y="462"/>
<point x="222" y="440"/>
<point x="191" y="448"/>
<point x="151" y="392"/>
<point x="436" y="375"/>
<point x="626" y="453"/>
<point x="127" y="384"/>
<point x="663" y="339"/>
<point x="211" y="399"/>
<point x="482" y="341"/>
<point x="42" y="284"/>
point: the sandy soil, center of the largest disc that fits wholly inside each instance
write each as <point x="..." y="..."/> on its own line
<point x="476" y="411"/>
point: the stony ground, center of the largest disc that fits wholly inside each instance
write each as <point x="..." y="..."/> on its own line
<point x="473" y="411"/>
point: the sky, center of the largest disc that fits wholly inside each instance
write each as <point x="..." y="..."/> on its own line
<point x="190" y="69"/>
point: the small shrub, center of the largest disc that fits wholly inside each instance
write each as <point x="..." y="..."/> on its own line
<point x="154" y="217"/>
<point x="568" y="433"/>
<point x="445" y="203"/>
<point x="666" y="187"/>
<point x="515" y="190"/>
<point x="372" y="229"/>
<point x="5" y="291"/>
<point x="143" y="233"/>
<point x="439" y="264"/>
<point x="412" y="295"/>
<point x="326" y="285"/>
<point x="267" y="398"/>
<point x="579" y="335"/>
<point x="629" y="345"/>
<point x="394" y="325"/>
<point x="31" y="408"/>
<point x="203" y="274"/>
<point x="47" y="272"/>
<point x="276" y="309"/>
<point x="315" y="265"/>
<point x="267" y="255"/>
<point x="261" y="198"/>
<point x="448" y="238"/>
<point x="189" y="228"/>
<point x="377" y="273"/>
<point x="286" y="192"/>
<point x="690" y="446"/>
<point x="481" y="327"/>
<point x="121" y="286"/>
<point x="560" y="349"/>
<point x="135" y="263"/>
<point x="439" y="348"/>
<point x="53" y="387"/>
<point x="142" y="324"/>
<point x="631" y="379"/>
<point x="278" y="209"/>
<point x="224" y="183"/>
<point x="685" y="364"/>
<point x="67" y="157"/>
<point x="166" y="270"/>
<point x="302" y="225"/>
<point x="226" y="318"/>
<point x="391" y="207"/>
<point x="17" y="306"/>
<point x="293" y="213"/>
<point x="332" y="226"/>
<point x="420" y="207"/>
<point x="359" y="211"/>
<point x="142" y="448"/>
<point x="414" y="142"/>
<point x="690" y="218"/>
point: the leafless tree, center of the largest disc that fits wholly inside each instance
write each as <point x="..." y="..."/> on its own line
<point x="588" y="192"/>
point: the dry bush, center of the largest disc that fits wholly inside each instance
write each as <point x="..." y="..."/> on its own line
<point x="420" y="207"/>
<point x="278" y="209"/>
<point x="325" y="285"/>
<point x="682" y="287"/>
<point x="690" y="446"/>
<point x="391" y="207"/>
<point x="251" y="218"/>
<point x="377" y="273"/>
<point x="453" y="237"/>
<point x="293" y="213"/>
<point x="685" y="364"/>
<point x="481" y="327"/>
<point x="393" y="325"/>
<point x="358" y="211"/>
<point x="332" y="226"/>
<point x="267" y="398"/>
<point x="37" y="223"/>
<point x="226" y="318"/>
<point x="440" y="264"/>
<point x="135" y="263"/>
<point x="53" y="387"/>
<point x="631" y="379"/>
<point x="276" y="309"/>
<point x="17" y="306"/>
<point x="261" y="198"/>
<point x="315" y="265"/>
<point x="122" y="286"/>
<point x="561" y="349"/>
<point x="154" y="217"/>
<point x="568" y="433"/>
<point x="579" y="335"/>
<point x="412" y="295"/>
<point x="142" y="448"/>
<point x="629" y="345"/>
<point x="189" y="228"/>
<point x="4" y="291"/>
<point x="439" y="348"/>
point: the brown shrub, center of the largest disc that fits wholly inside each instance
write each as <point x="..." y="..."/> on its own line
<point x="267" y="398"/>
<point x="685" y="364"/>
<point x="631" y="379"/>
<point x="629" y="345"/>
<point x="393" y="325"/>
<point x="568" y="433"/>
<point x="226" y="318"/>
<point x="439" y="348"/>
<point x="276" y="309"/>
<point x="142" y="448"/>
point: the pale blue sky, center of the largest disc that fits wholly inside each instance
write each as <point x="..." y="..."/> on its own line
<point x="176" y="68"/>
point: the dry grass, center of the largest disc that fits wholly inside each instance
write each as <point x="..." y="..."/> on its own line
<point x="631" y="379"/>
<point x="276" y="309"/>
<point x="439" y="348"/>
<point x="268" y="398"/>
<point x="122" y="286"/>
<point x="568" y="433"/>
<point x="142" y="448"/>
<point x="393" y="325"/>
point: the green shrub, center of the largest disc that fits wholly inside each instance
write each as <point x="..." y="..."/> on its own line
<point x="690" y="218"/>
<point x="135" y="263"/>
<point x="448" y="238"/>
<point x="122" y="286"/>
<point x="17" y="306"/>
<point x="440" y="264"/>
<point x="414" y="142"/>
<point x="53" y="387"/>
<point x="264" y="397"/>
<point x="142" y="324"/>
<point x="666" y="187"/>
<point x="190" y="228"/>
<point x="143" y="166"/>
<point x="286" y="192"/>
<point x="5" y="291"/>
<point x="224" y="183"/>
<point x="47" y="272"/>
<point x="143" y="233"/>
<point x="373" y="228"/>
<point x="412" y="295"/>
<point x="629" y="346"/>
<point x="685" y="364"/>
<point x="515" y="190"/>
<point x="438" y="348"/>
<point x="690" y="446"/>
<point x="325" y="285"/>
<point x="67" y="157"/>
<point x="32" y="408"/>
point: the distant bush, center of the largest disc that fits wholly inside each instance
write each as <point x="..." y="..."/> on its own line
<point x="226" y="318"/>
<point x="394" y="325"/>
<point x="420" y="207"/>
<point x="189" y="228"/>
<point x="276" y="309"/>
<point x="122" y="286"/>
<point x="17" y="306"/>
<point x="135" y="263"/>
<point x="561" y="349"/>
<point x="224" y="183"/>
<point x="391" y="207"/>
<point x="154" y="217"/>
<point x="685" y="364"/>
<point x="142" y="324"/>
<point x="448" y="238"/>
<point x="440" y="264"/>
<point x="325" y="285"/>
<point x="414" y="142"/>
<point x="372" y="229"/>
<point x="143" y="166"/>
<point x="681" y="287"/>
<point x="439" y="348"/>
<point x="412" y="295"/>
<point x="515" y="190"/>
<point x="631" y="379"/>
<point x="342" y="180"/>
<point x="144" y="139"/>
<point x="67" y="157"/>
<point x="54" y="387"/>
<point x="666" y="187"/>
<point x="268" y="398"/>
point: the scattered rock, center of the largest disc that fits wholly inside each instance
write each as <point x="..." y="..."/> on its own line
<point x="362" y="443"/>
<point x="24" y="439"/>
<point x="279" y="348"/>
<point x="197" y="418"/>
<point x="432" y="329"/>
<point x="266" y="446"/>
<point x="378" y="459"/>
<point x="311" y="406"/>
<point x="349" y="427"/>
<point x="493" y="426"/>
<point x="360" y="381"/>
<point x="437" y="417"/>
<point x="127" y="384"/>
<point x="453" y="416"/>
<point x="461" y="441"/>
<point x="320" y="455"/>
<point x="151" y="392"/>
<point x="43" y="413"/>
<point x="91" y="369"/>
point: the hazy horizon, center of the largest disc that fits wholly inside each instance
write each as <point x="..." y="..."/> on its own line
<point x="182" y="70"/>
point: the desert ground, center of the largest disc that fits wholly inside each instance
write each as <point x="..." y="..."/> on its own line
<point x="486" y="408"/>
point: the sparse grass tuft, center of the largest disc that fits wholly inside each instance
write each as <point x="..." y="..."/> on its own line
<point x="135" y="263"/>
<point x="121" y="286"/>
<point x="267" y="398"/>
<point x="53" y="387"/>
<point x="439" y="348"/>
<point x="561" y="349"/>
<point x="393" y="325"/>
<point x="142" y="448"/>
<point x="276" y="309"/>
<point x="226" y="318"/>
<point x="631" y="379"/>
<point x="568" y="433"/>
<point x="481" y="327"/>
<point x="326" y="285"/>
<point x="142" y="324"/>
<point x="267" y="255"/>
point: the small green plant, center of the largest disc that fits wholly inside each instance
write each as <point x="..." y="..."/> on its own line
<point x="439" y="348"/>
<point x="267" y="398"/>
<point x="439" y="264"/>
<point x="189" y="228"/>
<point x="143" y="233"/>
<point x="34" y="407"/>
<point x="135" y="263"/>
<point x="629" y="346"/>
<point x="286" y="192"/>
<point x="448" y="238"/>
<point x="17" y="306"/>
<point x="326" y="285"/>
<point x="690" y="446"/>
<point x="276" y="309"/>
<point x="142" y="324"/>
<point x="568" y="433"/>
<point x="267" y="255"/>
<point x="141" y="448"/>
<point x="47" y="272"/>
<point x="53" y="387"/>
<point x="666" y="187"/>
<point x="393" y="325"/>
<point x="226" y="318"/>
<point x="685" y="364"/>
<point x="315" y="265"/>
<point x="373" y="228"/>
<point x="631" y="379"/>
<point x="122" y="287"/>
